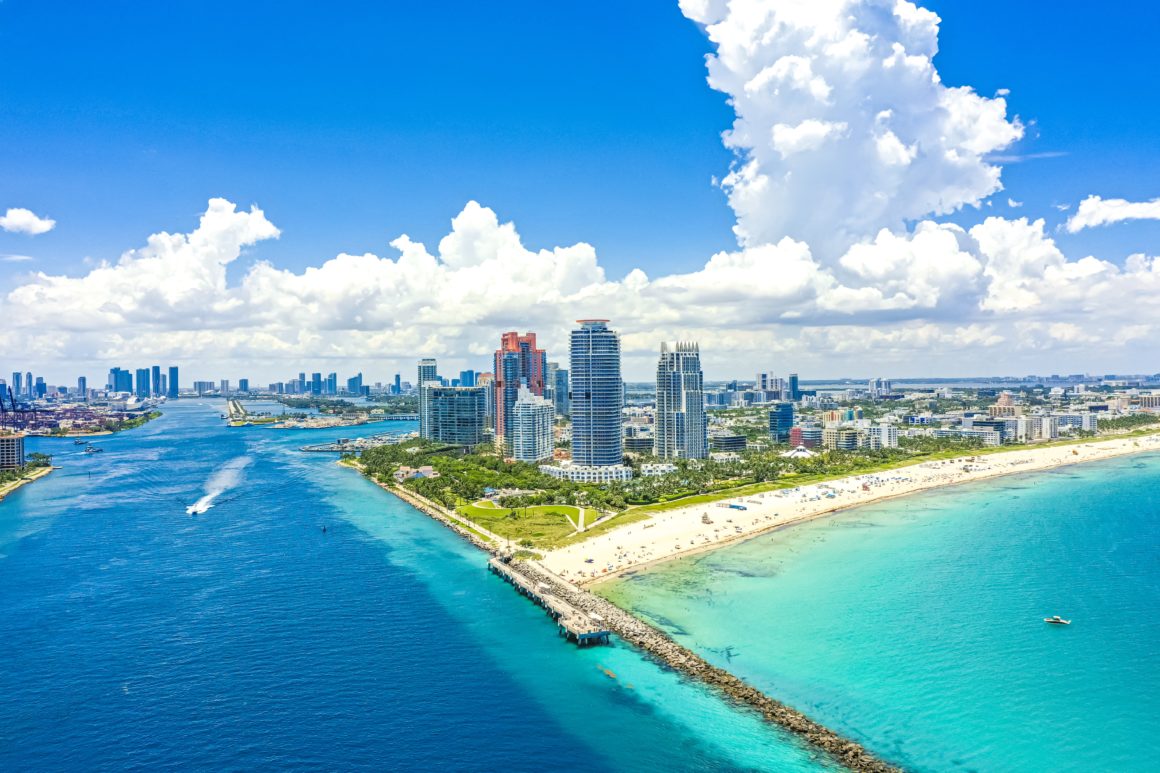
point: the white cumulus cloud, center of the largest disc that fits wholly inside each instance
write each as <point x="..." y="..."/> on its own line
<point x="853" y="83"/>
<point x="25" y="221"/>
<point x="1095" y="211"/>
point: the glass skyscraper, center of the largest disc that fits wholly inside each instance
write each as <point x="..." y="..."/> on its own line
<point x="597" y="395"/>
<point x="681" y="430"/>
<point x="453" y="414"/>
<point x="780" y="422"/>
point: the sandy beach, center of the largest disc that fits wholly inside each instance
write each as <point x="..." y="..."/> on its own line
<point x="684" y="531"/>
<point x="34" y="474"/>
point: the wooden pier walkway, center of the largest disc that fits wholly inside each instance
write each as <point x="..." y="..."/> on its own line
<point x="571" y="623"/>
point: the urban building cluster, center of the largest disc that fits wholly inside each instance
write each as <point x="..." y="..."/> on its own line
<point x="573" y="419"/>
<point x="145" y="383"/>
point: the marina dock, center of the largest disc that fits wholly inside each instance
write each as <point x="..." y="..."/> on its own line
<point x="572" y="623"/>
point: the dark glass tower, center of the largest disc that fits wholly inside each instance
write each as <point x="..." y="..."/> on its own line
<point x="597" y="395"/>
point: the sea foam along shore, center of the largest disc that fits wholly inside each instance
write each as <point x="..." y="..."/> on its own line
<point x="34" y="474"/>
<point x="658" y="645"/>
<point x="688" y="530"/>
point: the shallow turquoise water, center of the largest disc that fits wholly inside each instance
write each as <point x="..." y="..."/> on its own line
<point x="916" y="626"/>
<point x="135" y="637"/>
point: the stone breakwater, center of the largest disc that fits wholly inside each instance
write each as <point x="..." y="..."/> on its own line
<point x="659" y="646"/>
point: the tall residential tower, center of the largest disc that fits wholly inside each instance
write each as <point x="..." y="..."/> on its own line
<point x="597" y="395"/>
<point x="518" y="362"/>
<point x="681" y="430"/>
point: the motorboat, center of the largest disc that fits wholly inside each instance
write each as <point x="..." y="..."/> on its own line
<point x="93" y="450"/>
<point x="1056" y="620"/>
<point x="79" y="442"/>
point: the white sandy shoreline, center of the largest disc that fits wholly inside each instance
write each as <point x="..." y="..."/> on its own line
<point x="681" y="532"/>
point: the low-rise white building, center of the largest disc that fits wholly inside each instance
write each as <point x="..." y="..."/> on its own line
<point x="657" y="469"/>
<point x="584" y="473"/>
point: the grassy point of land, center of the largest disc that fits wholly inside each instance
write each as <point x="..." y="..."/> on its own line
<point x="544" y="526"/>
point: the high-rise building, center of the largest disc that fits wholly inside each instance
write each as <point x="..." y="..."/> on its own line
<point x="597" y="395"/>
<point x="155" y="381"/>
<point x="452" y="414"/>
<point x="142" y="383"/>
<point x="506" y="388"/>
<point x="29" y="389"/>
<point x="120" y="380"/>
<point x="11" y="452"/>
<point x="172" y="392"/>
<point x="354" y="384"/>
<point x="398" y="386"/>
<point x="532" y="418"/>
<point x="561" y="392"/>
<point x="780" y="422"/>
<point x="224" y="387"/>
<point x="795" y="392"/>
<point x="883" y="436"/>
<point x="243" y="385"/>
<point x="467" y="378"/>
<point x="428" y="373"/>
<point x="487" y="381"/>
<point x="41" y="388"/>
<point x="164" y="385"/>
<point x="83" y="387"/>
<point x="331" y="386"/>
<point x="681" y="431"/>
<point x="517" y="363"/>
<point x="315" y="383"/>
<point x="16" y="379"/>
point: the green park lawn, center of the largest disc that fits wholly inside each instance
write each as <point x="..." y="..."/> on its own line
<point x="545" y="526"/>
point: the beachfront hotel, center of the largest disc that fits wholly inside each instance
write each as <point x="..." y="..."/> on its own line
<point x="681" y="431"/>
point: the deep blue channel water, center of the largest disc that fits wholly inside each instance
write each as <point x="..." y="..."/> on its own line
<point x="134" y="636"/>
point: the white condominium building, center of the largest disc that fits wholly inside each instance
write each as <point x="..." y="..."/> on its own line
<point x="532" y="421"/>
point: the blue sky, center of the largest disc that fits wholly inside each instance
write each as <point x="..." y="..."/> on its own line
<point x="352" y="127"/>
<point x="349" y="125"/>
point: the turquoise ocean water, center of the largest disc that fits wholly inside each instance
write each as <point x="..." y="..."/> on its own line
<point x="916" y="625"/>
<point x="136" y="637"/>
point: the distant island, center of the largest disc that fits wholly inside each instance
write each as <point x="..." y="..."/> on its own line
<point x="329" y="413"/>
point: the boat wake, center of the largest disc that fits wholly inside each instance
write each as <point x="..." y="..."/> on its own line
<point x="224" y="478"/>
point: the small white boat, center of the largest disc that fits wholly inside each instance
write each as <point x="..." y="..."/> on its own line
<point x="1056" y="620"/>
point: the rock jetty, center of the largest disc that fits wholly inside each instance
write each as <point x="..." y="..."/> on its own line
<point x="658" y="645"/>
